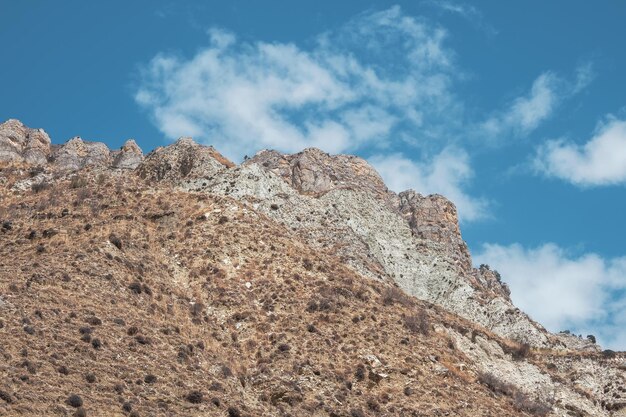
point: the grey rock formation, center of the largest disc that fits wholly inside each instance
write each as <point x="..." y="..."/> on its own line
<point x="77" y="153"/>
<point x="313" y="171"/>
<point x="19" y="143"/>
<point x="129" y="156"/>
<point x="183" y="159"/>
<point x="435" y="218"/>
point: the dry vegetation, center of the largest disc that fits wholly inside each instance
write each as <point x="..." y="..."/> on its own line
<point x="118" y="299"/>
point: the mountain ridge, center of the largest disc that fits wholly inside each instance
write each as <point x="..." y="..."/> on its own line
<point x="339" y="208"/>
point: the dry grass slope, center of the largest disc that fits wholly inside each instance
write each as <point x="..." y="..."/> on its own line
<point x="121" y="300"/>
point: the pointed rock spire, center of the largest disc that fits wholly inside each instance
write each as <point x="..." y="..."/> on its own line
<point x="129" y="156"/>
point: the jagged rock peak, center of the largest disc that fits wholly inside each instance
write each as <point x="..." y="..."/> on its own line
<point x="129" y="156"/>
<point x="435" y="218"/>
<point x="313" y="171"/>
<point x="19" y="143"/>
<point x="77" y="153"/>
<point x="185" y="158"/>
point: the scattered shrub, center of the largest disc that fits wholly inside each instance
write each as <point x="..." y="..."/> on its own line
<point x="115" y="241"/>
<point x="222" y="220"/>
<point x="520" y="351"/>
<point x="135" y="287"/>
<point x="226" y="371"/>
<point x="394" y="295"/>
<point x="132" y="330"/>
<point x="94" y="321"/>
<point x="142" y="340"/>
<point x="495" y="384"/>
<point x="127" y="406"/>
<point x="307" y="264"/>
<point x="29" y="329"/>
<point x="40" y="186"/>
<point x="80" y="412"/>
<point x="359" y="374"/>
<point x="524" y="403"/>
<point x="195" y="397"/>
<point x="591" y="338"/>
<point x="418" y="323"/>
<point x="150" y="379"/>
<point x="96" y="343"/>
<point x="91" y="378"/>
<point x="274" y="206"/>
<point x="6" y="397"/>
<point x="608" y="354"/>
<point x="77" y="182"/>
<point x="74" y="401"/>
<point x="284" y="347"/>
<point x="355" y="412"/>
<point x="233" y="412"/>
<point x="63" y="370"/>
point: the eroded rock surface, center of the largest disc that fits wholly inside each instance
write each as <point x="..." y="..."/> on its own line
<point x="77" y="153"/>
<point x="181" y="160"/>
<point x="129" y="156"/>
<point x="19" y="143"/>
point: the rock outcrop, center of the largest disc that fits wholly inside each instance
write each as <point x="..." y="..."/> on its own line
<point x="182" y="160"/>
<point x="77" y="153"/>
<point x="128" y="157"/>
<point x="315" y="172"/>
<point x="19" y="143"/>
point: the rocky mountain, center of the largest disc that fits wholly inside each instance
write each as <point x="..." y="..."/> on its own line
<point x="180" y="283"/>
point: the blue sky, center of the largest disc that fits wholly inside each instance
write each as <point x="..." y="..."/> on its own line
<point x="515" y="111"/>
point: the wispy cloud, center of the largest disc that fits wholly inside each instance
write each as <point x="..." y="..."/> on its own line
<point x="525" y="113"/>
<point x="466" y="11"/>
<point x="585" y="294"/>
<point x="600" y="161"/>
<point x="350" y="90"/>
<point x="446" y="173"/>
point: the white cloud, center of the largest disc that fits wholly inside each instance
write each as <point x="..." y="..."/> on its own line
<point x="446" y="174"/>
<point x="583" y="293"/>
<point x="600" y="161"/>
<point x="525" y="113"/>
<point x="378" y="75"/>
